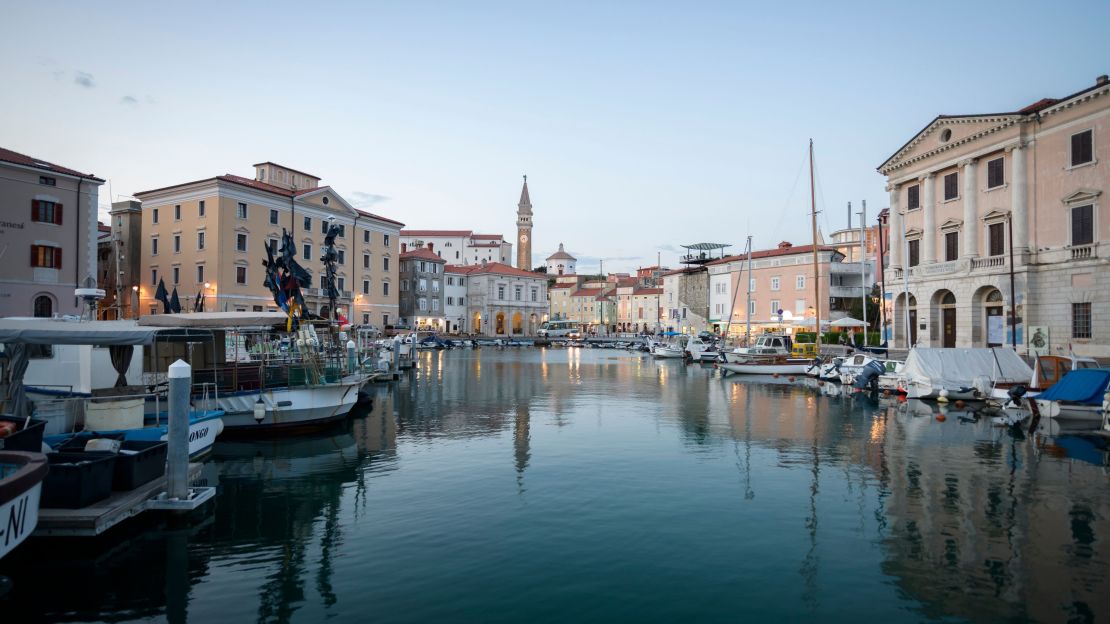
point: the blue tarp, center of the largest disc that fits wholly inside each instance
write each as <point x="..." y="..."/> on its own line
<point x="1084" y="386"/>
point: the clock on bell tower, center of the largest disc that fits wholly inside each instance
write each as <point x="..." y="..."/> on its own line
<point x="524" y="229"/>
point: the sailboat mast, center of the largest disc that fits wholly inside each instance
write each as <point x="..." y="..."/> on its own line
<point x="816" y="273"/>
<point x="863" y="268"/>
<point x="748" y="313"/>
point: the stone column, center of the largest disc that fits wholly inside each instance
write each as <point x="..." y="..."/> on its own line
<point x="929" y="227"/>
<point x="971" y="211"/>
<point x="1018" y="204"/>
<point x="897" y="230"/>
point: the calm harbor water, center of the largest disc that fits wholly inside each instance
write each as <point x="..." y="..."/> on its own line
<point x="562" y="485"/>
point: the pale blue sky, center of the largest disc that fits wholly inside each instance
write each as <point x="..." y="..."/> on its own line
<point x="641" y="125"/>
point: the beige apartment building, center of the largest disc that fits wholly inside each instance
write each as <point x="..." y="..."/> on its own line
<point x="207" y="238"/>
<point x="964" y="187"/>
<point x="48" y="235"/>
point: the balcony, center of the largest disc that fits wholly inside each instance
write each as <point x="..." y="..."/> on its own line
<point x="1083" y="252"/>
<point x="990" y="262"/>
<point x="846" y="291"/>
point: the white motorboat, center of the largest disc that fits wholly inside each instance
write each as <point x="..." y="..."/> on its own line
<point x="962" y="373"/>
<point x="672" y="349"/>
<point x="767" y="346"/>
<point x="768" y="366"/>
<point x="702" y="350"/>
<point x="854" y="365"/>
<point x="825" y="370"/>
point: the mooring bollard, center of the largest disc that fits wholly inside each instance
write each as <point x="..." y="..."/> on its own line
<point x="177" y="467"/>
<point x="352" y="361"/>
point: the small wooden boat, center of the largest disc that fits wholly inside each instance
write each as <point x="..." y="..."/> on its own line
<point x="21" y="475"/>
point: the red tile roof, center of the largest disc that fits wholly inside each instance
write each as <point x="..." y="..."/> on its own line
<point x="485" y="245"/>
<point x="648" y="291"/>
<point x="459" y="268"/>
<point x="503" y="269"/>
<point x="493" y="236"/>
<point x="601" y="298"/>
<point x="436" y="232"/>
<point x="1039" y="105"/>
<point x="422" y="253"/>
<point x="16" y="158"/>
<point x="564" y="285"/>
<point x="378" y="217"/>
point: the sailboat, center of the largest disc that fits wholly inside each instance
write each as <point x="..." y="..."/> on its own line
<point x="765" y="360"/>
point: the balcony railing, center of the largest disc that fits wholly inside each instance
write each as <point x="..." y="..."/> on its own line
<point x="1082" y="252"/>
<point x="990" y="262"/>
<point x="845" y="291"/>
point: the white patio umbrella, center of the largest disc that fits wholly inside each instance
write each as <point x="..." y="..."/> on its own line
<point x="848" y="322"/>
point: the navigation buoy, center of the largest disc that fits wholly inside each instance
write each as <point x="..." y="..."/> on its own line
<point x="960" y="404"/>
<point x="941" y="417"/>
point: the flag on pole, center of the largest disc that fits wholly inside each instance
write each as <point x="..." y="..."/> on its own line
<point x="175" y="303"/>
<point x="163" y="296"/>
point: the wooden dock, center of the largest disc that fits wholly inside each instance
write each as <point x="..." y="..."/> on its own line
<point x="101" y="516"/>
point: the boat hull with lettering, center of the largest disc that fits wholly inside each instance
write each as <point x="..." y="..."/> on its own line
<point x="21" y="476"/>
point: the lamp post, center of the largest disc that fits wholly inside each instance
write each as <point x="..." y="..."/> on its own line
<point x="135" y="300"/>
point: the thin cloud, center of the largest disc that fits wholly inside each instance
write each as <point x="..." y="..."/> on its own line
<point x="129" y="100"/>
<point x="670" y="248"/>
<point x="150" y="99"/>
<point x="362" y="199"/>
<point x="84" y="79"/>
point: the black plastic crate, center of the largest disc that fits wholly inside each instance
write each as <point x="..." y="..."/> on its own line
<point x="78" y="480"/>
<point x="76" y="444"/>
<point x="146" y="465"/>
<point x="27" y="438"/>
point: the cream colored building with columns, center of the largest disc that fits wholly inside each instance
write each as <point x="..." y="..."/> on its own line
<point x="209" y="236"/>
<point x="965" y="186"/>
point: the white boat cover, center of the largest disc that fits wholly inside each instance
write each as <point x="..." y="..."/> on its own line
<point x="958" y="368"/>
<point x="72" y="332"/>
<point x="214" y="320"/>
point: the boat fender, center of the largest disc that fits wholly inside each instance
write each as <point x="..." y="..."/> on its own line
<point x="941" y="417"/>
<point x="960" y="404"/>
<point x="775" y="375"/>
<point x="790" y="379"/>
<point x="259" y="410"/>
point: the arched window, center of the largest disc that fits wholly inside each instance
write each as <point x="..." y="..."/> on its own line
<point x="44" y="307"/>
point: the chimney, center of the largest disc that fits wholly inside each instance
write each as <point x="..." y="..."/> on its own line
<point x="1101" y="80"/>
<point x="404" y="247"/>
<point x="430" y="248"/>
<point x="785" y="245"/>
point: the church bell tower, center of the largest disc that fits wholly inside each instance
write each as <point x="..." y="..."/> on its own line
<point x="524" y="229"/>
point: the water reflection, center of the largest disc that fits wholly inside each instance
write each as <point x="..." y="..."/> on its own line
<point x="554" y="485"/>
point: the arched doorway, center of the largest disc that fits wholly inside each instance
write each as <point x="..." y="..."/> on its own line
<point x="476" y="326"/>
<point x="993" y="319"/>
<point x="499" y="324"/>
<point x="944" y="303"/>
<point x="533" y="322"/>
<point x="43" y="306"/>
<point x="518" y="323"/>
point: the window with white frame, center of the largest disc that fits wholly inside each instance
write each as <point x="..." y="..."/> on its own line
<point x="241" y="211"/>
<point x="1083" y="225"/>
<point x="1081" y="320"/>
<point x="501" y="293"/>
<point x="435" y="305"/>
<point x="200" y="240"/>
<point x="751" y="309"/>
<point x="200" y="273"/>
<point x="366" y="287"/>
<point x="177" y="243"/>
<point x="800" y="282"/>
<point x="751" y="285"/>
<point x="273" y="217"/>
<point x="423" y="303"/>
<point x="240" y="242"/>
<point x="775" y="283"/>
<point x="799" y="306"/>
<point x="775" y="306"/>
<point x="240" y="275"/>
<point x="995" y="172"/>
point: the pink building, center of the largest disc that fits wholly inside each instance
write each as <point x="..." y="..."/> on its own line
<point x="964" y="187"/>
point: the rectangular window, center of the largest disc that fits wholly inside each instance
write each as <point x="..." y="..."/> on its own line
<point x="366" y="287"/>
<point x="385" y="264"/>
<point x="435" y="285"/>
<point x="404" y="285"/>
<point x="423" y="267"/>
<point x="176" y="275"/>
<point x="951" y="246"/>
<point x="450" y="301"/>
<point x="385" y="240"/>
<point x="272" y="243"/>
<point x="501" y="292"/>
<point x="952" y="186"/>
<point x="46" y="212"/>
<point x="1083" y="225"/>
<point x="200" y="273"/>
<point x="800" y="282"/>
<point x="915" y="252"/>
<point x="342" y="231"/>
<point x="307" y="252"/>
<point x="366" y="236"/>
<point x="307" y="224"/>
<point x="45" y="256"/>
<point x="240" y="275"/>
<point x="256" y="308"/>
<point x="342" y="256"/>
<point x="366" y="261"/>
<point x="341" y="283"/>
<point x="1082" y="148"/>
<point x="273" y="217"/>
<point x="751" y="285"/>
<point x="177" y="243"/>
<point x="775" y="307"/>
<point x="517" y="293"/>
<point x="177" y="212"/>
<point x="385" y="320"/>
<point x="435" y="305"/>
<point x="774" y="283"/>
<point x="241" y="211"/>
<point x="240" y="242"/>
<point x="996" y="245"/>
<point x="323" y="282"/>
<point x="200" y="208"/>
<point x="995" y="176"/>
<point x="461" y="282"/>
<point x="385" y="289"/>
<point x="48" y="181"/>
<point x="913" y="197"/>
<point x="200" y="240"/>
<point x="535" y="295"/>
<point x="1081" y="320"/>
<point x="799" y="306"/>
<point x="366" y="318"/>
<point x="423" y="287"/>
<point x="154" y="215"/>
<point x="450" y="281"/>
<point x="154" y="246"/>
<point x="153" y="277"/>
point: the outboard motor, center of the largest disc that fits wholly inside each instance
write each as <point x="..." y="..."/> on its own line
<point x="1016" y="393"/>
<point x="869" y="376"/>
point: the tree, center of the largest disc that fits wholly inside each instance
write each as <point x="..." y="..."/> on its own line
<point x="855" y="309"/>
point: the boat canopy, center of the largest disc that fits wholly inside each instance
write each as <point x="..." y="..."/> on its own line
<point x="958" y="368"/>
<point x="1085" y="386"/>
<point x="215" y="320"/>
<point x="45" y="331"/>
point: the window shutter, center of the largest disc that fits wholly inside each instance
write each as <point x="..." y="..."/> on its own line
<point x="58" y="214"/>
<point x="34" y="210"/>
<point x="57" y="257"/>
<point x="34" y="254"/>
